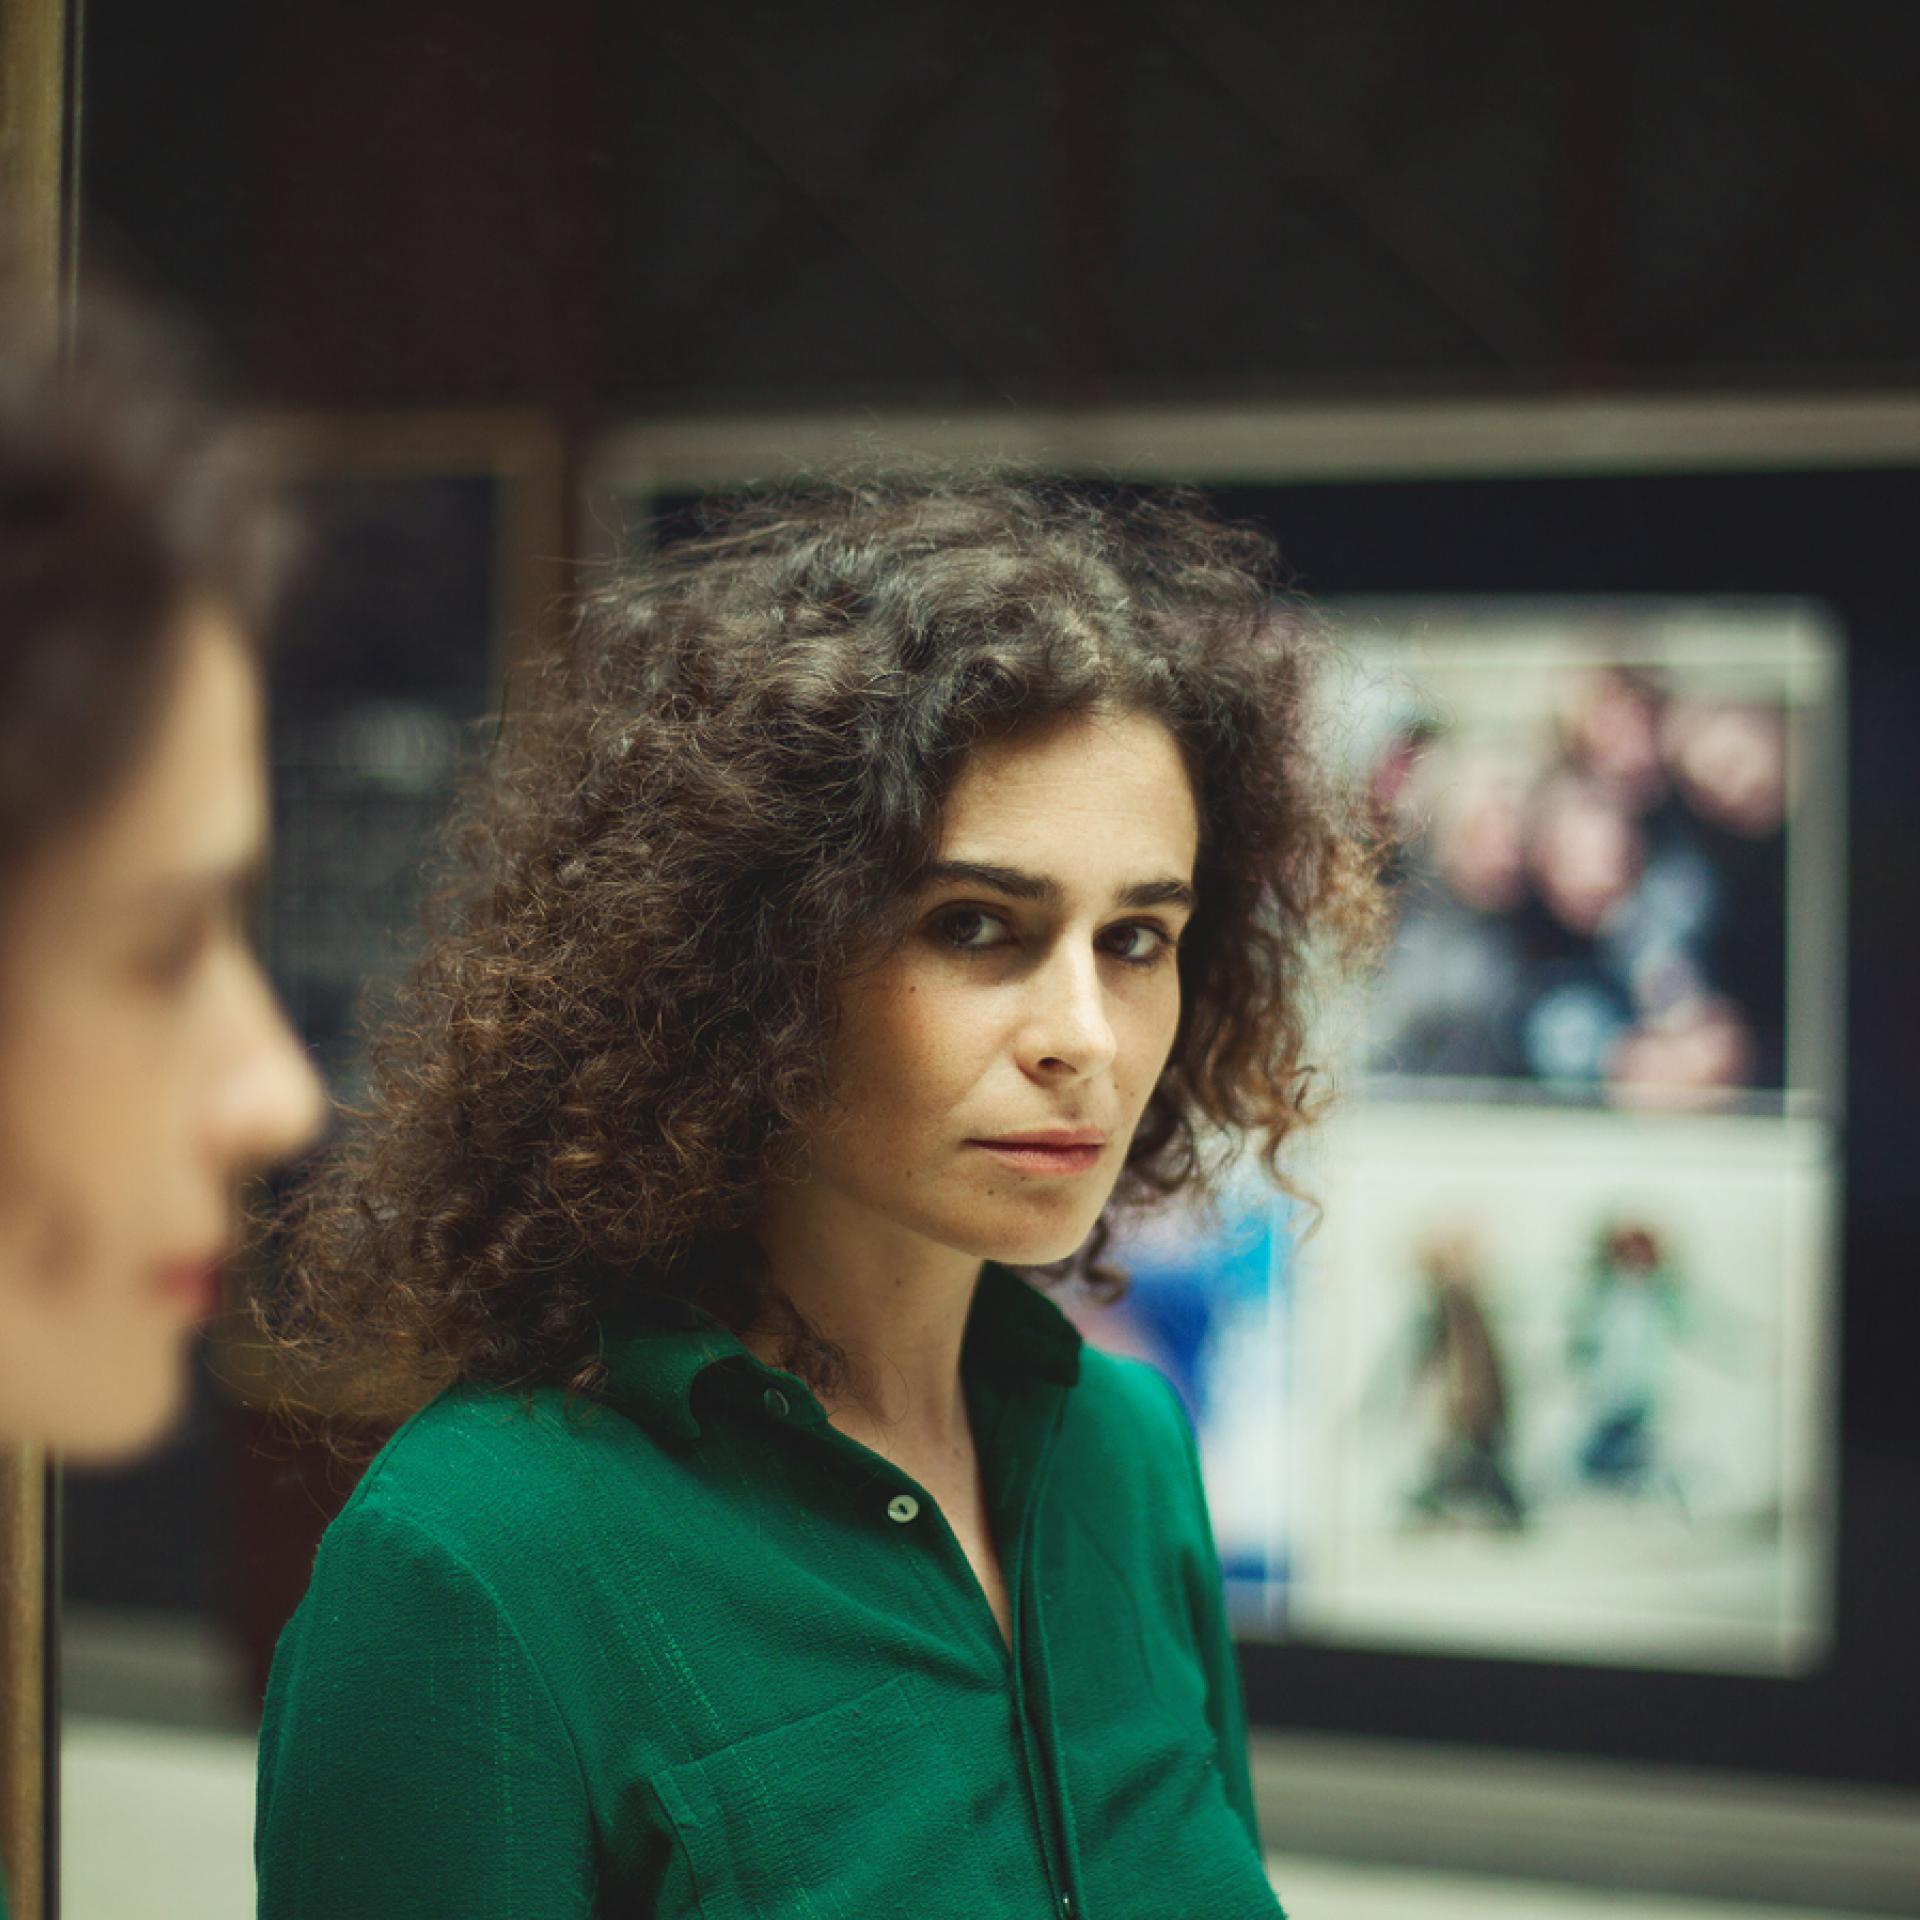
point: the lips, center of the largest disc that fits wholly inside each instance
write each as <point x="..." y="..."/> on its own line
<point x="192" y="1284"/>
<point x="1054" y="1150"/>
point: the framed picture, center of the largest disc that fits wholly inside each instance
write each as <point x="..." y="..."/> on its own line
<point x="1618" y="845"/>
<point x="1565" y="1389"/>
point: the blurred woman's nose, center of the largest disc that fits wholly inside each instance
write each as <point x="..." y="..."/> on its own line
<point x="1068" y="1031"/>
<point x="269" y="1102"/>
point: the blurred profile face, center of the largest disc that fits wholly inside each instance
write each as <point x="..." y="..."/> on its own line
<point x="144" y="1071"/>
<point x="991" y="1069"/>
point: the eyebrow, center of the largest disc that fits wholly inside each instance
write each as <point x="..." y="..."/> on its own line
<point x="1017" y="884"/>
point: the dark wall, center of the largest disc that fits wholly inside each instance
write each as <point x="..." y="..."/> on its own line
<point x="596" y="208"/>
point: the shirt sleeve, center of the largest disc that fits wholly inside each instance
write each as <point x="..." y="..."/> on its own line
<point x="412" y="1761"/>
<point x="1226" y="1702"/>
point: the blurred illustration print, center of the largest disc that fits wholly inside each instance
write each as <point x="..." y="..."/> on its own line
<point x="1562" y="1381"/>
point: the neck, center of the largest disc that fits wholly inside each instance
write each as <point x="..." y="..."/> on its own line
<point x="895" y="1303"/>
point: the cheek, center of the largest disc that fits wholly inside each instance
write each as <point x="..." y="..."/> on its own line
<point x="63" y="1250"/>
<point x="95" y="1167"/>
<point x="909" y="1052"/>
<point x="1147" y="1030"/>
<point x="90" y="1362"/>
<point x="96" y="1137"/>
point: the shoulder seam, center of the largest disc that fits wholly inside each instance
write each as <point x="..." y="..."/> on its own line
<point x="411" y="1524"/>
<point x="1131" y="1367"/>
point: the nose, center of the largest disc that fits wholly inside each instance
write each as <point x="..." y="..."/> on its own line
<point x="269" y="1102"/>
<point x="1067" y="1033"/>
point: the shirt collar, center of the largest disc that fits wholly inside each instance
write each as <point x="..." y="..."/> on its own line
<point x="658" y="1350"/>
<point x="1015" y="1331"/>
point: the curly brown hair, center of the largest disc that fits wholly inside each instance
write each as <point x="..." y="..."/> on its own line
<point x="704" y="812"/>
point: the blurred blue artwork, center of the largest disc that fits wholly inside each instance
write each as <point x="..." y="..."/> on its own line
<point x="1210" y="1304"/>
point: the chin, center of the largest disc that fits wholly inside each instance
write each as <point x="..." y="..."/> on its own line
<point x="117" y="1428"/>
<point x="1032" y="1244"/>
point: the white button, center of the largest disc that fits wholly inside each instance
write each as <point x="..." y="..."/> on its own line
<point x="903" y="1507"/>
<point x="775" y="1402"/>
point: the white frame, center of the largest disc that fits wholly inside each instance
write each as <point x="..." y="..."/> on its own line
<point x="1281" y="441"/>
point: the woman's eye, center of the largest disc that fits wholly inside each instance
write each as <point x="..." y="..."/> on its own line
<point x="970" y="929"/>
<point x="170" y="964"/>
<point x="1140" y="943"/>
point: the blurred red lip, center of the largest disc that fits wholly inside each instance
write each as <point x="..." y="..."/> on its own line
<point x="194" y="1284"/>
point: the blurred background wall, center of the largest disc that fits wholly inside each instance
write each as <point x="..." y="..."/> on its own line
<point x="600" y="210"/>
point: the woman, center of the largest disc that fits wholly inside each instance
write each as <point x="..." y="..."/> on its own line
<point x="145" y="1070"/>
<point x="895" y="879"/>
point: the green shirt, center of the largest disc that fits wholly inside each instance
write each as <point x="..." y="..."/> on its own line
<point x="690" y="1650"/>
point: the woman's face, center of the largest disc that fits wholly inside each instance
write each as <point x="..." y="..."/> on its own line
<point x="991" y="1069"/>
<point x="144" y="1071"/>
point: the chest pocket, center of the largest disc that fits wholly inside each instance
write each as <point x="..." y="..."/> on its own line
<point x="855" y="1813"/>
